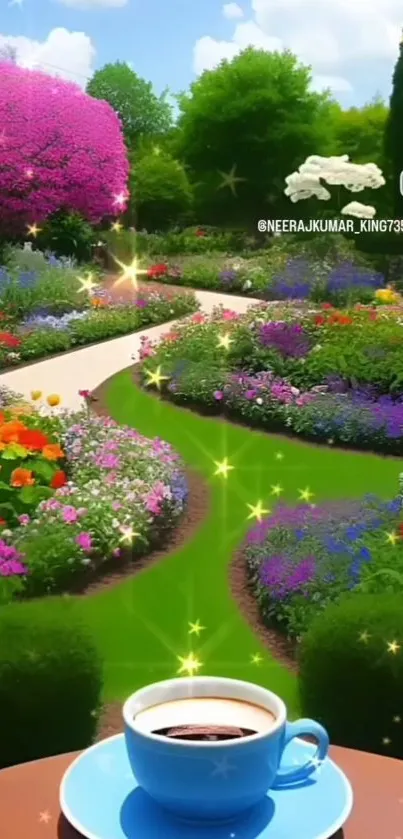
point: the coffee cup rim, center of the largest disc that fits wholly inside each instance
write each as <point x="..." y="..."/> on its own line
<point x="198" y="686"/>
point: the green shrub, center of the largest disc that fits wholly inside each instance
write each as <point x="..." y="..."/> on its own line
<point x="50" y="681"/>
<point x="68" y="234"/>
<point x="350" y="678"/>
<point x="161" y="192"/>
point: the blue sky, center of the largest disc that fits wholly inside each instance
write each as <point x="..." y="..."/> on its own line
<point x="352" y="45"/>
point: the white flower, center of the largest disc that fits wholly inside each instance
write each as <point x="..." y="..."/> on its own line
<point x="335" y="171"/>
<point x="259" y="401"/>
<point x="247" y="285"/>
<point x="295" y="391"/>
<point x="359" y="210"/>
<point x="300" y="186"/>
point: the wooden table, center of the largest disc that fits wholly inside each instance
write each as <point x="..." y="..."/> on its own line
<point x="29" y="798"/>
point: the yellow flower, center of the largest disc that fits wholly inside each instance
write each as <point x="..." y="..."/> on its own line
<point x="53" y="400"/>
<point x="35" y="395"/>
<point x="386" y="295"/>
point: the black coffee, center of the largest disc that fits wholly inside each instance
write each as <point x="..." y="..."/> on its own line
<point x="210" y="733"/>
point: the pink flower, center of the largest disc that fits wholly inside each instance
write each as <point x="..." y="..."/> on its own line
<point x="218" y="395"/>
<point x="24" y="519"/>
<point x="84" y="541"/>
<point x="70" y="515"/>
<point x="229" y="314"/>
<point x="11" y="568"/>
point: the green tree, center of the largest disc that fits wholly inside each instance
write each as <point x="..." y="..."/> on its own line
<point x="141" y="111"/>
<point x="243" y="128"/>
<point x="359" y="132"/>
<point x="394" y="137"/>
<point x="161" y="195"/>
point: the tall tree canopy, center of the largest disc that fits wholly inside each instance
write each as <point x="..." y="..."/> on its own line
<point x="142" y="112"/>
<point x="359" y="132"/>
<point x="60" y="149"/>
<point x="243" y="128"/>
<point x="394" y="136"/>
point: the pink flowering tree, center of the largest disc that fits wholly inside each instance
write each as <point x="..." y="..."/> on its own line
<point x="59" y="149"/>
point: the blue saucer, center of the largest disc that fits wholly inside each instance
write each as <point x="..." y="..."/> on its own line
<point x="100" y="798"/>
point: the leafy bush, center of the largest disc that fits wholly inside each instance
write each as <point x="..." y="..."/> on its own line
<point x="192" y="240"/>
<point x="68" y="234"/>
<point x="161" y="192"/>
<point x="351" y="672"/>
<point x="301" y="559"/>
<point x="50" y="681"/>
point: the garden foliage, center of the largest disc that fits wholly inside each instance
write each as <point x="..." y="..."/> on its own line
<point x="50" y="681"/>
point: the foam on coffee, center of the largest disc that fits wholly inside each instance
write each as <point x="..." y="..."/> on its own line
<point x="205" y="711"/>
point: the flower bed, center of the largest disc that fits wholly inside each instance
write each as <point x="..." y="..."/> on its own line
<point x="332" y="376"/>
<point x="273" y="277"/>
<point x="302" y="558"/>
<point x="117" y="495"/>
<point x="48" y="310"/>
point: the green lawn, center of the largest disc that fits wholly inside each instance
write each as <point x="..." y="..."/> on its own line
<point x="142" y="623"/>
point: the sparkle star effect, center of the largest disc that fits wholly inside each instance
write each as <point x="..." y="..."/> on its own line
<point x="256" y="659"/>
<point x="257" y="511"/>
<point x="195" y="628"/>
<point x="45" y="817"/>
<point x="364" y="637"/>
<point x="230" y="180"/>
<point x="393" y="647"/>
<point x="33" y="230"/>
<point x="225" y="341"/>
<point x="155" y="377"/>
<point x="392" y="538"/>
<point x="386" y="741"/>
<point x="120" y="200"/>
<point x="128" y="535"/>
<point x="130" y="272"/>
<point x="223" y="468"/>
<point x="276" y="490"/>
<point x="222" y="768"/>
<point x="397" y="719"/>
<point x="116" y="227"/>
<point x="305" y="494"/>
<point x="87" y="283"/>
<point x="189" y="665"/>
<point x="279" y="455"/>
<point x="29" y="173"/>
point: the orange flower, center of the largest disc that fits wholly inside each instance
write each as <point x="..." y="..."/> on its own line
<point x="22" y="478"/>
<point x="52" y="451"/>
<point x="98" y="302"/>
<point x="59" y="480"/>
<point x="10" y="431"/>
<point x="2" y="418"/>
<point x="3" y="522"/>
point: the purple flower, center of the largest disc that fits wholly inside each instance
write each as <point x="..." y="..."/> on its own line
<point x="218" y="395"/>
<point x="70" y="515"/>
<point x="289" y="339"/>
<point x="12" y="568"/>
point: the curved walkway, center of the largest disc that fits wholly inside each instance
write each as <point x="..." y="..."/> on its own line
<point x="88" y="367"/>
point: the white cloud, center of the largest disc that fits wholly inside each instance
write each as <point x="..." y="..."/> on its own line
<point x="232" y="11"/>
<point x="88" y="5"/>
<point x="337" y="84"/>
<point x="340" y="41"/>
<point x="68" y="55"/>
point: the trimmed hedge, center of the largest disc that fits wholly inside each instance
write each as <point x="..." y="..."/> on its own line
<point x="351" y="672"/>
<point x="50" y="681"/>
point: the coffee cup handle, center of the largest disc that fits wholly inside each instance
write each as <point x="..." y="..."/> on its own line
<point x="304" y="728"/>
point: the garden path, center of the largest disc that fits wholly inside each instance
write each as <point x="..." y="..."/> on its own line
<point x="87" y="367"/>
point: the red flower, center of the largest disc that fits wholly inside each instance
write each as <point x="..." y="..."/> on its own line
<point x="32" y="438"/>
<point x="401" y="529"/>
<point x="59" y="480"/>
<point x="9" y="340"/>
<point x="200" y="233"/>
<point x="3" y="522"/>
<point x="159" y="270"/>
<point x="326" y="306"/>
<point x="320" y="320"/>
<point x="85" y="394"/>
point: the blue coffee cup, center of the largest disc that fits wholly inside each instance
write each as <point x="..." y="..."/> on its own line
<point x="219" y="780"/>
